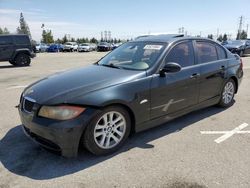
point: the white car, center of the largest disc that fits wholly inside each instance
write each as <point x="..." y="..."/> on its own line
<point x="70" y="46"/>
<point x="84" y="47"/>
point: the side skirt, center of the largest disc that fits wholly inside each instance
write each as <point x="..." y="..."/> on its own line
<point x="163" y="119"/>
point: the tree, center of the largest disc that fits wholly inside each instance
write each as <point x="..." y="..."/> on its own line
<point x="93" y="40"/>
<point x="224" y="38"/>
<point x="210" y="36"/>
<point x="47" y="37"/>
<point x="220" y="38"/>
<point x="23" y="28"/>
<point x="64" y="39"/>
<point x="4" y="31"/>
<point x="242" y="35"/>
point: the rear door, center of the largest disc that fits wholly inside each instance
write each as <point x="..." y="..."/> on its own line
<point x="6" y="48"/>
<point x="179" y="90"/>
<point x="213" y="63"/>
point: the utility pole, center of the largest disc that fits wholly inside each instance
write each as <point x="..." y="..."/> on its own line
<point x="247" y="29"/>
<point x="240" y="27"/>
<point x="217" y="35"/>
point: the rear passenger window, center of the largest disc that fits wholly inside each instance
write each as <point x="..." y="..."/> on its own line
<point x="206" y="52"/>
<point x="5" y="40"/>
<point x="221" y="52"/>
<point x="182" y="54"/>
<point x="22" y="40"/>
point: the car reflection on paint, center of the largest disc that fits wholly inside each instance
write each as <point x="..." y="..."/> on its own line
<point x="139" y="85"/>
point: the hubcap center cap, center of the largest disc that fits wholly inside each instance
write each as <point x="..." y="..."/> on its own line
<point x="109" y="129"/>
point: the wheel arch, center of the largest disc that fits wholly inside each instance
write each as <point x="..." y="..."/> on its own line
<point x="236" y="82"/>
<point x="129" y="110"/>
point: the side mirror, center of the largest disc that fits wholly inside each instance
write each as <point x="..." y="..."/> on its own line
<point x="170" y="67"/>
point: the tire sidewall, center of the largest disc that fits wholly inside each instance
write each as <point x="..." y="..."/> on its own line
<point x="18" y="60"/>
<point x="221" y="103"/>
<point x="88" y="139"/>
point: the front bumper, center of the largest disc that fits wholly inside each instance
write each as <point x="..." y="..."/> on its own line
<point x="59" y="136"/>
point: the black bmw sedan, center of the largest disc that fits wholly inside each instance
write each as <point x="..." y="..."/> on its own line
<point x="139" y="85"/>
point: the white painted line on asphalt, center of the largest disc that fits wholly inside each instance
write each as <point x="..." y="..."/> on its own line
<point x="60" y="70"/>
<point x="17" y="87"/>
<point x="227" y="134"/>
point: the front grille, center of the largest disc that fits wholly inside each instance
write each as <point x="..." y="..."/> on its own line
<point x="28" y="104"/>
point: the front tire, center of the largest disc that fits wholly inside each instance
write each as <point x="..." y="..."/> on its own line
<point x="227" y="94"/>
<point x="107" y="132"/>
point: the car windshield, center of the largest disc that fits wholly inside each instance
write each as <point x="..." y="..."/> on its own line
<point x="134" y="55"/>
<point x="83" y="44"/>
<point x="68" y="44"/>
<point x="236" y="42"/>
<point x="103" y="43"/>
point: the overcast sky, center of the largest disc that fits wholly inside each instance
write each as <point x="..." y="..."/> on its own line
<point x="125" y="18"/>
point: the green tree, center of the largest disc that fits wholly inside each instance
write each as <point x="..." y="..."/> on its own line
<point x="47" y="37"/>
<point x="93" y="40"/>
<point x="4" y="31"/>
<point x="23" y="28"/>
<point x="224" y="38"/>
<point x="210" y="36"/>
<point x="241" y="35"/>
<point x="220" y="38"/>
<point x="64" y="39"/>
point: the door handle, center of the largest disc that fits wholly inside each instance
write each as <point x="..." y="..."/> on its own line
<point x="222" y="67"/>
<point x="195" y="75"/>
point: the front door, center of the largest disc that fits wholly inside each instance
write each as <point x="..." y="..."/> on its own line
<point x="179" y="90"/>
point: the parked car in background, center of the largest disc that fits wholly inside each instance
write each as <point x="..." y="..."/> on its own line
<point x="240" y="47"/>
<point x="41" y="47"/>
<point x="104" y="46"/>
<point x="70" y="47"/>
<point x="116" y="45"/>
<point x="141" y="84"/>
<point x="84" y="47"/>
<point x="55" y="48"/>
<point x="16" y="49"/>
<point x="93" y="46"/>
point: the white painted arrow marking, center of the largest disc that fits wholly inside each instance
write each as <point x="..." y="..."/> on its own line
<point x="227" y="134"/>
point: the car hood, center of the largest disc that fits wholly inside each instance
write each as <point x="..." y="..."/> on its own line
<point x="83" y="47"/>
<point x="229" y="46"/>
<point x="62" y="87"/>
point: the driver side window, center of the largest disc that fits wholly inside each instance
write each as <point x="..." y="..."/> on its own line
<point x="182" y="53"/>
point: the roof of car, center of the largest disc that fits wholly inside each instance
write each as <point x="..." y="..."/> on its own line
<point x="165" y="38"/>
<point x="13" y="35"/>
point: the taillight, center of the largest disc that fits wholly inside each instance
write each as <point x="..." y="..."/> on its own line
<point x="241" y="63"/>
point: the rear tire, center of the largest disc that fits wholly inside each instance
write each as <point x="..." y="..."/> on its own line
<point x="22" y="60"/>
<point x="108" y="131"/>
<point x="227" y="94"/>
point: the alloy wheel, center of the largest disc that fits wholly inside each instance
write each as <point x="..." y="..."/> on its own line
<point x="228" y="93"/>
<point x="110" y="130"/>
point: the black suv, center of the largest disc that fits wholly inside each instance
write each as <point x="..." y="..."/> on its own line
<point x="16" y="49"/>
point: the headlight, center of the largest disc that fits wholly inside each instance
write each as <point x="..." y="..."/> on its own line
<point x="60" y="112"/>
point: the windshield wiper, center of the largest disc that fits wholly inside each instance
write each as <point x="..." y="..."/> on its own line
<point x="110" y="65"/>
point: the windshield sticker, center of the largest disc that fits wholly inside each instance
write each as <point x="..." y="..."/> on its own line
<point x="152" y="47"/>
